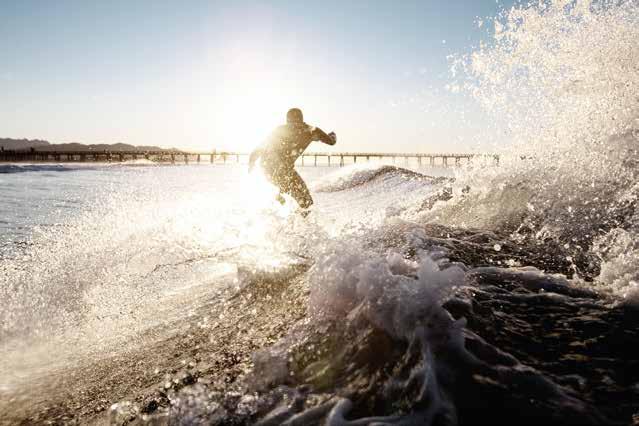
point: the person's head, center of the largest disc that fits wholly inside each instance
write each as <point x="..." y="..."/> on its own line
<point x="294" y="116"/>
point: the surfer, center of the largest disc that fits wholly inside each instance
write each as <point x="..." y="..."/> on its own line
<point x="279" y="152"/>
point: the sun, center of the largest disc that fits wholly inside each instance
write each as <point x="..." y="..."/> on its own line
<point x="249" y="110"/>
<point x="245" y="122"/>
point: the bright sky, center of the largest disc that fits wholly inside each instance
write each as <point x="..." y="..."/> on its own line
<point x="205" y="74"/>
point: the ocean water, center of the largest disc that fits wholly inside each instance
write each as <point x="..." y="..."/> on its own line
<point x="94" y="255"/>
<point x="501" y="294"/>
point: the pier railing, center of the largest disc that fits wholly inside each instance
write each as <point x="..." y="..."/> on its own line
<point x="224" y="157"/>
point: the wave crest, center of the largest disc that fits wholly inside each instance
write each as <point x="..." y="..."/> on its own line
<point x="351" y="177"/>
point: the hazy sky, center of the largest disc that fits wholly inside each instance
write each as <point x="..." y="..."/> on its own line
<point x="205" y="74"/>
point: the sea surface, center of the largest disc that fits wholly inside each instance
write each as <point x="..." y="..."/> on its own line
<point x="97" y="256"/>
<point x="93" y="255"/>
<point x="69" y="231"/>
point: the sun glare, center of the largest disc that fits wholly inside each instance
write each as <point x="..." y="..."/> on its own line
<point x="251" y="103"/>
<point x="246" y="122"/>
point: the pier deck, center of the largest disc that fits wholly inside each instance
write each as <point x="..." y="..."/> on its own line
<point x="222" y="157"/>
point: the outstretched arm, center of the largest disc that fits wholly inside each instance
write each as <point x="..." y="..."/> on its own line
<point x="320" y="135"/>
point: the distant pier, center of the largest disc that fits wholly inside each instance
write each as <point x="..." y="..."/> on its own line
<point x="316" y="159"/>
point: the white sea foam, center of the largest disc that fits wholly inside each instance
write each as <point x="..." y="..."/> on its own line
<point x="394" y="289"/>
<point x="619" y="250"/>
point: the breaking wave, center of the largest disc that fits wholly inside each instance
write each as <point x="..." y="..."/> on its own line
<point x="562" y="79"/>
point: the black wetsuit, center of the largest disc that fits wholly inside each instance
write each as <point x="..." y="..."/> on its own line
<point x="279" y="152"/>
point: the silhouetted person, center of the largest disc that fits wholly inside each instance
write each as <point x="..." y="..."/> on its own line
<point x="280" y="150"/>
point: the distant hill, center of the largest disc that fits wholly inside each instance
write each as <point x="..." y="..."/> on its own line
<point x="41" y="145"/>
<point x="22" y="143"/>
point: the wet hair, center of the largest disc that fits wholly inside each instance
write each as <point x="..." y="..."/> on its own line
<point x="294" y="115"/>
